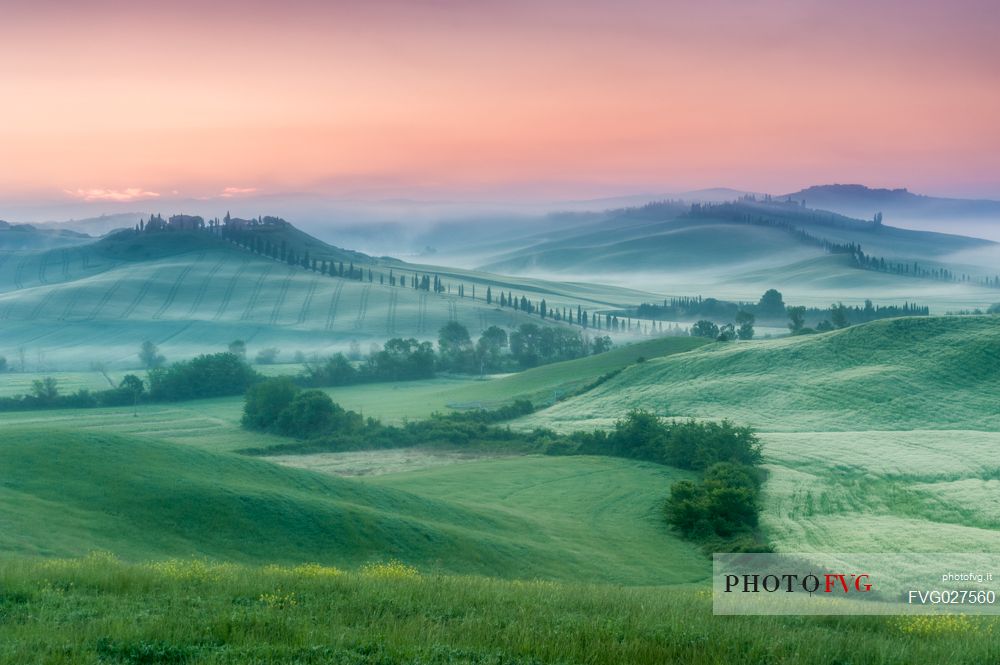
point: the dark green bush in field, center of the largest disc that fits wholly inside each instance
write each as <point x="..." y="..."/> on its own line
<point x="312" y="413"/>
<point x="684" y="444"/>
<point x="266" y="400"/>
<point x="211" y="375"/>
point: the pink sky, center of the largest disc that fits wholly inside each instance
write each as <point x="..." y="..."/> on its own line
<point x="113" y="101"/>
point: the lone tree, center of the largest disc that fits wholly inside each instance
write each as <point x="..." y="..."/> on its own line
<point x="149" y="355"/>
<point x="705" y="328"/>
<point x="771" y="305"/>
<point x="745" y="321"/>
<point x="838" y="315"/>
<point x="796" y="318"/>
<point x="45" y="390"/>
<point x="238" y="347"/>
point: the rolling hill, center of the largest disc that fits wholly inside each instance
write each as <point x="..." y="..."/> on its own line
<point x="67" y="493"/>
<point x="665" y="237"/>
<point x="911" y="373"/>
<point x="864" y="202"/>
<point x="192" y="292"/>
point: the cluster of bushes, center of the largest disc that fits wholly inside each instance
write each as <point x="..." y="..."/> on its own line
<point x="771" y="308"/>
<point x="408" y="359"/>
<point x="281" y="407"/>
<point x="721" y="510"/>
<point x="211" y="375"/>
<point x="45" y="395"/>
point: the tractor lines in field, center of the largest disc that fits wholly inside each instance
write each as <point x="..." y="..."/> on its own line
<point x="334" y="302"/>
<point x="42" y="305"/>
<point x="230" y="289"/>
<point x="19" y="272"/>
<point x="177" y="332"/>
<point x="43" y="264"/>
<point x="65" y="265"/>
<point x="304" y="311"/>
<point x="200" y="295"/>
<point x="146" y="286"/>
<point x="282" y="294"/>
<point x="255" y="294"/>
<point x="363" y="307"/>
<point x="68" y="309"/>
<point x="172" y="293"/>
<point x="422" y="313"/>
<point x="105" y="299"/>
<point x="390" y="324"/>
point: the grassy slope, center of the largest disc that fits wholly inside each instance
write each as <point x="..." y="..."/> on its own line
<point x="880" y="437"/>
<point x="69" y="493"/>
<point x="541" y="384"/>
<point x="937" y="373"/>
<point x="602" y="511"/>
<point x="685" y="243"/>
<point x="102" y="611"/>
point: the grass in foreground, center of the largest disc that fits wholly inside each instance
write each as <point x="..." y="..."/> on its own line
<point x="66" y="493"/>
<point x="101" y="610"/>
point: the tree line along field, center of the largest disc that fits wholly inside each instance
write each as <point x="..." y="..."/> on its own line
<point x="214" y="423"/>
<point x="68" y="307"/>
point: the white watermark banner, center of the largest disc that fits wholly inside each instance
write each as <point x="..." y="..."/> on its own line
<point x="856" y="583"/>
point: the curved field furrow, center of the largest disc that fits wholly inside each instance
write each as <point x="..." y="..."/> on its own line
<point x="200" y="295"/>
<point x="5" y="314"/>
<point x="422" y="313"/>
<point x="304" y="311"/>
<point x="146" y="286"/>
<point x="184" y="328"/>
<point x="230" y="289"/>
<point x="390" y="324"/>
<point x="334" y="302"/>
<point x="282" y="295"/>
<point x="362" y="307"/>
<point x="255" y="294"/>
<point x="42" y="305"/>
<point x="105" y="299"/>
<point x="19" y="272"/>
<point x="43" y="264"/>
<point x="172" y="294"/>
<point x="68" y="309"/>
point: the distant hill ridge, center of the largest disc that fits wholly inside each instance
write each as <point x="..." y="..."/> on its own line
<point x="862" y="201"/>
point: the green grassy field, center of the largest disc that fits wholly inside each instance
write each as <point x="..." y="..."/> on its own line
<point x="101" y="610"/>
<point x="909" y="491"/>
<point x="542" y="385"/>
<point x="66" y="493"/>
<point x="916" y="373"/>
<point x="880" y="437"/>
